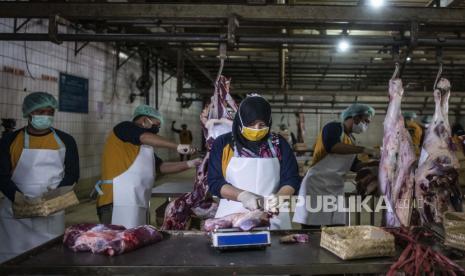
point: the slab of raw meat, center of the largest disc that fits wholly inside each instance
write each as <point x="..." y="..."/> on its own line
<point x="437" y="189"/>
<point x="243" y="221"/>
<point x="109" y="239"/>
<point x="215" y="120"/>
<point x="396" y="168"/>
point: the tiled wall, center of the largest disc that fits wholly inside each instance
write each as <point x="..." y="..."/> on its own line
<point x="95" y="62"/>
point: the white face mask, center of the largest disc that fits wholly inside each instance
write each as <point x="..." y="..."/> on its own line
<point x="359" y="128"/>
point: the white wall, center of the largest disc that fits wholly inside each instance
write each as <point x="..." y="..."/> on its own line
<point x="95" y="62"/>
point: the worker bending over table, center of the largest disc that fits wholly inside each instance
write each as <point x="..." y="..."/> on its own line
<point x="129" y="167"/>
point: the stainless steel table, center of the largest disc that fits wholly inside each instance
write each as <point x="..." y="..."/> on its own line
<point x="173" y="189"/>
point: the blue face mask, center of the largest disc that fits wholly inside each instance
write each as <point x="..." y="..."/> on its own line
<point x="42" y="122"/>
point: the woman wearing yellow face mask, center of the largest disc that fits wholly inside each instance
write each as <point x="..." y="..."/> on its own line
<point x="250" y="167"/>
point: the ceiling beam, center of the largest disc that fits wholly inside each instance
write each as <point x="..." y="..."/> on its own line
<point x="276" y="13"/>
<point x="309" y="92"/>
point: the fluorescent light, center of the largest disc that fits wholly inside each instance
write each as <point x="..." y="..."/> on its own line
<point x="122" y="55"/>
<point x="343" y="45"/>
<point x="376" y="3"/>
<point x="408" y="58"/>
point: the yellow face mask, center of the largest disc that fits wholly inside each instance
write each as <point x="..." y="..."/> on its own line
<point x="253" y="134"/>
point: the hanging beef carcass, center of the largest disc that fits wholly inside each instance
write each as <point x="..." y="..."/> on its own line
<point x="436" y="180"/>
<point x="396" y="168"/>
<point x="215" y="119"/>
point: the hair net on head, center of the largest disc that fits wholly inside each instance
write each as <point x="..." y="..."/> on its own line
<point x="427" y="119"/>
<point x="38" y="100"/>
<point x="357" y="109"/>
<point x="409" y="115"/>
<point x="145" y="110"/>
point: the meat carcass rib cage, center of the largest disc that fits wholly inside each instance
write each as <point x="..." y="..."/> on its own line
<point x="396" y="168"/>
<point x="436" y="180"/>
<point x="215" y="120"/>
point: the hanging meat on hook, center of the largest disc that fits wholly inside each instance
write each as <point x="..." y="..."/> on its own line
<point x="437" y="189"/>
<point x="396" y="168"/>
<point x="216" y="119"/>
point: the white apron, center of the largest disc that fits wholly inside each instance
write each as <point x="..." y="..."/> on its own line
<point x="37" y="171"/>
<point x="257" y="175"/>
<point x="325" y="178"/>
<point x="132" y="190"/>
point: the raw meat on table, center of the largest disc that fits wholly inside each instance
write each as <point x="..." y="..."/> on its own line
<point x="215" y="120"/>
<point x="295" y="238"/>
<point x="437" y="189"/>
<point x="243" y="221"/>
<point x="109" y="239"/>
<point x="397" y="164"/>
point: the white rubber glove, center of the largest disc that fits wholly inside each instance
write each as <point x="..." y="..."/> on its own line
<point x="372" y="152"/>
<point x="271" y="203"/>
<point x="249" y="200"/>
<point x="185" y="149"/>
<point x="194" y="162"/>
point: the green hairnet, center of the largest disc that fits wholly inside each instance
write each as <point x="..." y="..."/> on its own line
<point x="357" y="109"/>
<point x="38" y="100"/>
<point x="427" y="119"/>
<point x="409" y="115"/>
<point x="145" y="110"/>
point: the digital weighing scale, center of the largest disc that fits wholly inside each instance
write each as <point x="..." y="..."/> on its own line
<point x="234" y="238"/>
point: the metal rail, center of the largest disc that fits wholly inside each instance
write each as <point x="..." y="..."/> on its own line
<point x="273" y="13"/>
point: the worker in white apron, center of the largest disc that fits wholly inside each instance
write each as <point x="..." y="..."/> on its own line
<point x="335" y="153"/>
<point x="129" y="168"/>
<point x="38" y="170"/>
<point x="250" y="167"/>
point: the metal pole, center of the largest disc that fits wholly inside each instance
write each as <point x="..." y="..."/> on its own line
<point x="180" y="72"/>
<point x="201" y="38"/>
<point x="156" y="83"/>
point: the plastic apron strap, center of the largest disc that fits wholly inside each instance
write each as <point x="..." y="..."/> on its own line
<point x="55" y="135"/>
<point x="102" y="182"/>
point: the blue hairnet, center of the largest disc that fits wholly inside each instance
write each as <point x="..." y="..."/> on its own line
<point x="357" y="109"/>
<point x="145" y="110"/>
<point x="409" y="115"/>
<point x="38" y="100"/>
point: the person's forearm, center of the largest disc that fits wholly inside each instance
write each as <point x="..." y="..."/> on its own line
<point x="286" y="190"/>
<point x="71" y="166"/>
<point x="9" y="188"/>
<point x="341" y="148"/>
<point x="173" y="167"/>
<point x="157" y="141"/>
<point x="230" y="192"/>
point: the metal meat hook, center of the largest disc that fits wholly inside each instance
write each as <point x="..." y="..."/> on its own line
<point x="396" y="71"/>
<point x="222" y="57"/>
<point x="438" y="75"/>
